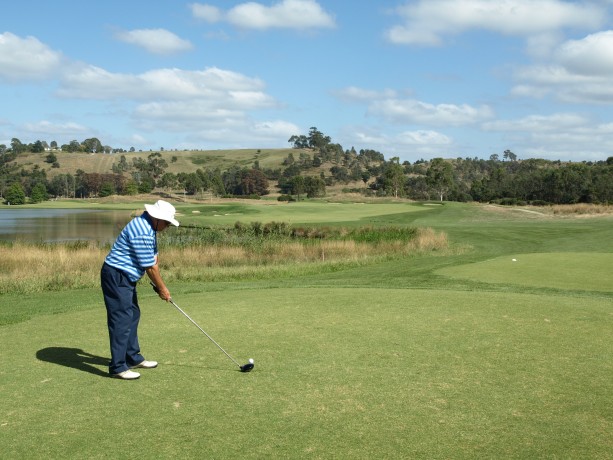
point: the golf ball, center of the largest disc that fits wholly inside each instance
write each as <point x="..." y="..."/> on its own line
<point x="251" y="360"/>
<point x="514" y="260"/>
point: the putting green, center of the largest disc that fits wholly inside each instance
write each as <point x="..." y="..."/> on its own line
<point x="560" y="270"/>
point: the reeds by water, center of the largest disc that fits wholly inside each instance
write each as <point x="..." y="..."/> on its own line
<point x="252" y="251"/>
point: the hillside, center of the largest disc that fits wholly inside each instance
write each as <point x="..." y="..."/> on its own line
<point x="178" y="161"/>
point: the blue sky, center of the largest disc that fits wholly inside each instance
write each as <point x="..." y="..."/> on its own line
<point x="412" y="79"/>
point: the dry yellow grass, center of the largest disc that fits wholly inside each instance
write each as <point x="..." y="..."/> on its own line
<point x="25" y="267"/>
<point x="33" y="268"/>
<point x="581" y="209"/>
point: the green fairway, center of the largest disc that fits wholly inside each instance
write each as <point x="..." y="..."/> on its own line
<point x="296" y="213"/>
<point x="567" y="270"/>
<point x="458" y="354"/>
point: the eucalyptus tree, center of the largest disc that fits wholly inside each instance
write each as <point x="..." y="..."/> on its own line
<point x="439" y="177"/>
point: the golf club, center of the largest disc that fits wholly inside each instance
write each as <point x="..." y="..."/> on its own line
<point x="244" y="368"/>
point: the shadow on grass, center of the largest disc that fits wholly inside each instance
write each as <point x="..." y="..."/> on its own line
<point x="75" y="358"/>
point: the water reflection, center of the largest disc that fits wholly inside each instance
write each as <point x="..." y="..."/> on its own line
<point x="55" y="225"/>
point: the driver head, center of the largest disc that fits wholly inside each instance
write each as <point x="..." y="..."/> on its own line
<point x="246" y="367"/>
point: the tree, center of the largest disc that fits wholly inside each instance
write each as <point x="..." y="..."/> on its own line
<point x="300" y="142"/>
<point x="122" y="166"/>
<point x="252" y="182"/>
<point x="38" y="147"/>
<point x="39" y="193"/>
<point x="15" y="194"/>
<point x="156" y="164"/>
<point x="62" y="185"/>
<point x="317" y="140"/>
<point x="74" y="146"/>
<point x="217" y="185"/>
<point x="107" y="189"/>
<point x="168" y="181"/>
<point x="192" y="184"/>
<point x="508" y="155"/>
<point x="17" y="147"/>
<point x="51" y="158"/>
<point x="289" y="160"/>
<point x="92" y="145"/>
<point x="394" y="177"/>
<point x="131" y="188"/>
<point x="314" y="186"/>
<point x="439" y="176"/>
<point x="297" y="186"/>
<point x="340" y="174"/>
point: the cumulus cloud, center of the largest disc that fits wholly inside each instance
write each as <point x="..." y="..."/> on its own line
<point x="212" y="105"/>
<point x="389" y="106"/>
<point x="579" y="71"/>
<point x="286" y="14"/>
<point x="592" y="55"/>
<point x="409" y="143"/>
<point x="46" y="127"/>
<point x="27" y="59"/>
<point x="224" y="86"/>
<point x="557" y="136"/>
<point x="428" y="22"/>
<point x="206" y="13"/>
<point x="355" y="94"/>
<point x="423" y="113"/>
<point x="423" y="138"/>
<point x="538" y="123"/>
<point x="235" y="133"/>
<point x="156" y="41"/>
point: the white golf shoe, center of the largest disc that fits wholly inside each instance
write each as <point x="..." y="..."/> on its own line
<point x="126" y="375"/>
<point x="145" y="365"/>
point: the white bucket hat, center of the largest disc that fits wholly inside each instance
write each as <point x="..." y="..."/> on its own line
<point x="163" y="210"/>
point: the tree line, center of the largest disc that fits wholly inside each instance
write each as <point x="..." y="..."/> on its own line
<point x="319" y="163"/>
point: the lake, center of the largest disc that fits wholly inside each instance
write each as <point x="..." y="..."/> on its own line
<point x="55" y="225"/>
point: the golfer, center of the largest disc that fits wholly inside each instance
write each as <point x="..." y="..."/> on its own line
<point x="133" y="254"/>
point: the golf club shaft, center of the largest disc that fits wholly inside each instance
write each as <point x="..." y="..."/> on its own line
<point x="203" y="331"/>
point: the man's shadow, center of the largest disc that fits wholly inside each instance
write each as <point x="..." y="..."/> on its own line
<point x="75" y="358"/>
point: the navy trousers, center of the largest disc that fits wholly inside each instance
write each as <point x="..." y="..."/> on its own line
<point x="123" y="315"/>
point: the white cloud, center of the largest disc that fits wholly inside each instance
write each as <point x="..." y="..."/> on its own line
<point x="424" y="138"/>
<point x="225" y="86"/>
<point x="355" y="94"/>
<point x="580" y="72"/>
<point x="48" y="128"/>
<point x="237" y="133"/>
<point x="413" y="111"/>
<point x="207" y="13"/>
<point x="156" y="41"/>
<point x="427" y="22"/>
<point x="212" y="105"/>
<point x="408" y="145"/>
<point x="538" y="123"/>
<point x="593" y="55"/>
<point x="286" y="14"/>
<point x="27" y="59"/>
<point x="561" y="136"/>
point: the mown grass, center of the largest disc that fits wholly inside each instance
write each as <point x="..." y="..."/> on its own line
<point x="360" y="373"/>
<point x="453" y="353"/>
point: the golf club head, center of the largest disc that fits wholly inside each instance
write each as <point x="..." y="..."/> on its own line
<point x="246" y="367"/>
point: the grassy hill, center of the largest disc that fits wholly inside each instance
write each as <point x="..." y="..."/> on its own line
<point x="178" y="161"/>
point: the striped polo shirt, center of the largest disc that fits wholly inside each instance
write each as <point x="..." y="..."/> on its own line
<point x="135" y="248"/>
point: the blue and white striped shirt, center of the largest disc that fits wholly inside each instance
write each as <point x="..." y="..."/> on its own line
<point x="135" y="248"/>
